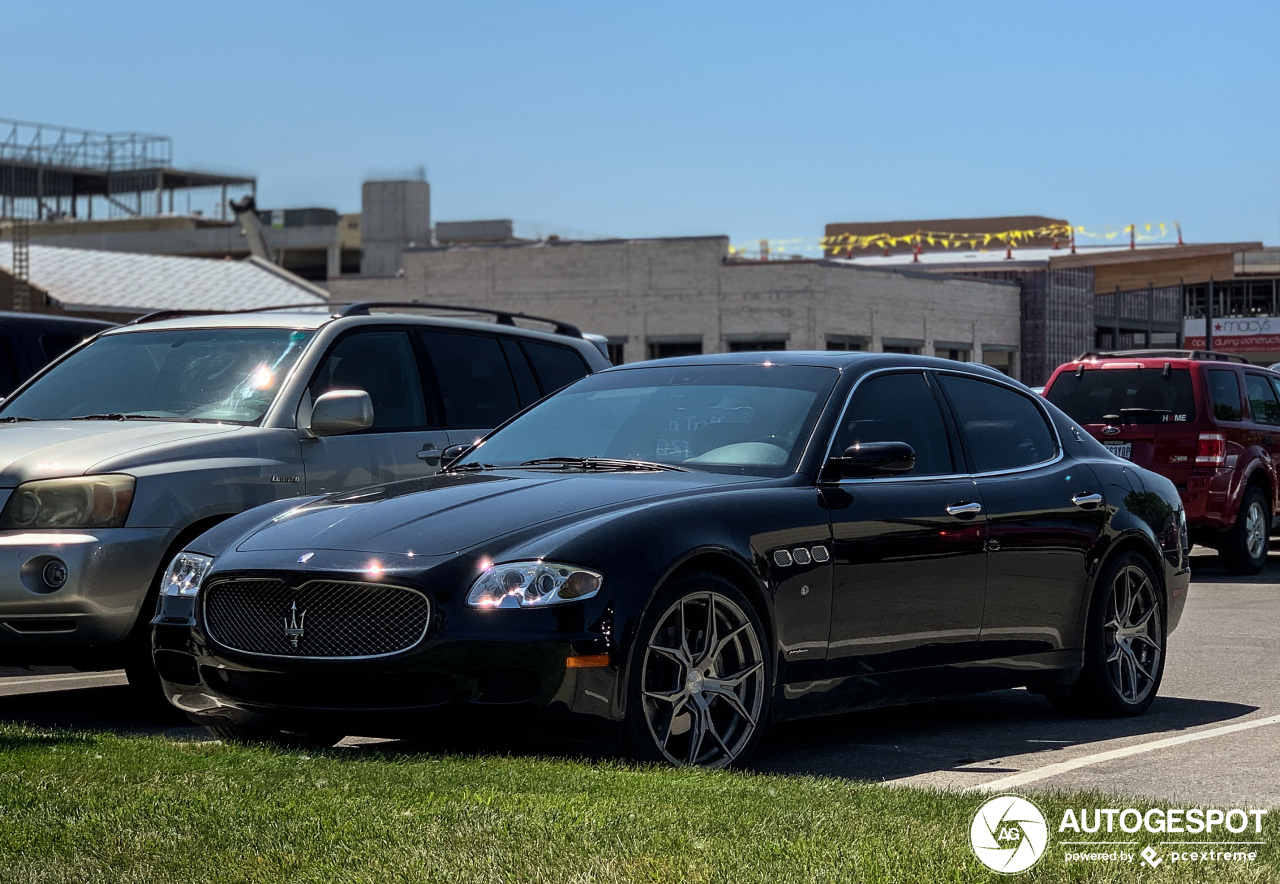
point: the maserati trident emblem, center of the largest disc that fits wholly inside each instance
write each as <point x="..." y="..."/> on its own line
<point x="293" y="624"/>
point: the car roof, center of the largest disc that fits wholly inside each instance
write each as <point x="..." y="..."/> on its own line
<point x="1157" y="359"/>
<point x="52" y="321"/>
<point x="839" y="359"/>
<point x="310" y="319"/>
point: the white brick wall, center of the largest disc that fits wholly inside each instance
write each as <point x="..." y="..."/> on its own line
<point x="665" y="288"/>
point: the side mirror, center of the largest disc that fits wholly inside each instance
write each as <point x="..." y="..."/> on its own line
<point x="452" y="453"/>
<point x="872" y="459"/>
<point x="341" y="411"/>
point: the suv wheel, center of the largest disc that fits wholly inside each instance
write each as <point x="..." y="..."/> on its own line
<point x="1124" y="644"/>
<point x="1243" y="548"/>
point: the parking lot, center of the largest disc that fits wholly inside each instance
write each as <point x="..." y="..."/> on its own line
<point x="1211" y="737"/>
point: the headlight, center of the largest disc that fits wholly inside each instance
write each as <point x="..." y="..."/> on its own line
<point x="81" y="502"/>
<point x="532" y="584"/>
<point x="186" y="572"/>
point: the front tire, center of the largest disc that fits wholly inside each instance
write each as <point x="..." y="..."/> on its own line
<point x="1124" y="644"/>
<point x="1243" y="548"/>
<point x="700" y="678"/>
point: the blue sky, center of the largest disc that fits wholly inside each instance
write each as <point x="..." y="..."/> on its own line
<point x="750" y="119"/>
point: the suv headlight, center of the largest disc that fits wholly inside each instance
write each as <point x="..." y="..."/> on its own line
<point x="532" y="584"/>
<point x="80" y="502"/>
<point x="186" y="572"/>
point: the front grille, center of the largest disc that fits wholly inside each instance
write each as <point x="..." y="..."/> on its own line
<point x="321" y="618"/>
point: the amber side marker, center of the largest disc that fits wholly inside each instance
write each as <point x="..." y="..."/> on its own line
<point x="587" y="661"/>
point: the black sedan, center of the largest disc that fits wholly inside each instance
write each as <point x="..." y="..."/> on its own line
<point x="672" y="555"/>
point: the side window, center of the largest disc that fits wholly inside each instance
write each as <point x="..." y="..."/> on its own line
<point x="474" y="380"/>
<point x="1262" y="400"/>
<point x="9" y="379"/>
<point x="898" y="408"/>
<point x="54" y="345"/>
<point x="383" y="364"/>
<point x="556" y="366"/>
<point x="526" y="385"/>
<point x="1224" y="393"/>
<point x="1003" y="428"/>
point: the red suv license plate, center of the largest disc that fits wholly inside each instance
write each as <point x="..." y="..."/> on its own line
<point x="1120" y="449"/>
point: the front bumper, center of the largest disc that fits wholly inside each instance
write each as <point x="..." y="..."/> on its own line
<point x="473" y="667"/>
<point x="108" y="574"/>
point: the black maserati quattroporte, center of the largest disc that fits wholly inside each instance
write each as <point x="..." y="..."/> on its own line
<point x="668" y="556"/>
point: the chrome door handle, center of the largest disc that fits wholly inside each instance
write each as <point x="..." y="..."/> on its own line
<point x="1090" y="499"/>
<point x="964" y="509"/>
<point x="430" y="454"/>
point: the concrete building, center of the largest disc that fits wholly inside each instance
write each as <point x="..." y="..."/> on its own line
<point x="1101" y="297"/>
<point x="676" y="296"/>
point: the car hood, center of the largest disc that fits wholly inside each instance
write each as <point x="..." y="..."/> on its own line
<point x="53" y="449"/>
<point x="449" y="513"/>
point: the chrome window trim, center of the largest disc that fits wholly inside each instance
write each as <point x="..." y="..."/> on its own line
<point x="204" y="618"/>
<point x="902" y="369"/>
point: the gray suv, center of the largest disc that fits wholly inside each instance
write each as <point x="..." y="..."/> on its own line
<point x="134" y="443"/>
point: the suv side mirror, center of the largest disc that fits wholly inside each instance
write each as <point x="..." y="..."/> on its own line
<point x="871" y="459"/>
<point x="341" y="411"/>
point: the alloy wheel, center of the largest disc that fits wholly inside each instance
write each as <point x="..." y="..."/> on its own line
<point x="1134" y="638"/>
<point x="703" y="681"/>
<point x="1255" y="529"/>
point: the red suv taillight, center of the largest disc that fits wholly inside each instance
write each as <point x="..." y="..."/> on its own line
<point x="1211" y="449"/>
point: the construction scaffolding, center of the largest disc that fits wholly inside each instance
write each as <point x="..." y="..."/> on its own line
<point x="50" y="173"/>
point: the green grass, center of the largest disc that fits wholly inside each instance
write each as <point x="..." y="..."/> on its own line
<point x="86" y="808"/>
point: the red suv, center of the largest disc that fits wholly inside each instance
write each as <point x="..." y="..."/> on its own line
<point x="1209" y="422"/>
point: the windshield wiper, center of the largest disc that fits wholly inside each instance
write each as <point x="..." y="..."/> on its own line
<point x="603" y="464"/>
<point x="15" y="419"/>
<point x="471" y="466"/>
<point x="1139" y="411"/>
<point x="117" y="416"/>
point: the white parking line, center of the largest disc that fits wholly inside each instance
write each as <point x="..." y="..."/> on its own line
<point x="67" y="676"/>
<point x="1052" y="770"/>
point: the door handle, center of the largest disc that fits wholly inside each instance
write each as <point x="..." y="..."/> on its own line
<point x="1087" y="499"/>
<point x="430" y="455"/>
<point x="964" y="509"/>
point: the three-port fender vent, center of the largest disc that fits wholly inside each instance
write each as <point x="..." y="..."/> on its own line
<point x="318" y="619"/>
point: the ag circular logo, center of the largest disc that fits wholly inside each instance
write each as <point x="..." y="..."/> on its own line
<point x="1009" y="834"/>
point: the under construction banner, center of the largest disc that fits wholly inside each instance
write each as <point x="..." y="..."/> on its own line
<point x="1254" y="334"/>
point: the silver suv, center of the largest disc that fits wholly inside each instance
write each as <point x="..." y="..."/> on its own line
<point x="131" y="445"/>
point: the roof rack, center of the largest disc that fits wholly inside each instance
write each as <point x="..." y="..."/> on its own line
<point x="504" y="317"/>
<point x="363" y="308"/>
<point x="1173" y="354"/>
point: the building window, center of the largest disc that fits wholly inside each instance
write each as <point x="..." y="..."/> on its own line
<point x="617" y="350"/>
<point x="901" y="345"/>
<point x="756" y="346"/>
<point x="671" y="349"/>
<point x="1000" y="360"/>
<point x="959" y="354"/>
<point x="845" y="342"/>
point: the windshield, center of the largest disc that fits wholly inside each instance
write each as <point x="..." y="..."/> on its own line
<point x="750" y="419"/>
<point x="1138" y="395"/>
<point x="204" y="374"/>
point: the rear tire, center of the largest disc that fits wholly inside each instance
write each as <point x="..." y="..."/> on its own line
<point x="1124" y="644"/>
<point x="249" y="735"/>
<point x="1243" y="547"/>
<point x="701" y="676"/>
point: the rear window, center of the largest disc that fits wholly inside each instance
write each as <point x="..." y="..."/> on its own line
<point x="1139" y="395"/>
<point x="1224" y="393"/>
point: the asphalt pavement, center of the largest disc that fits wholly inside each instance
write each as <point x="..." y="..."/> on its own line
<point x="1212" y="736"/>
